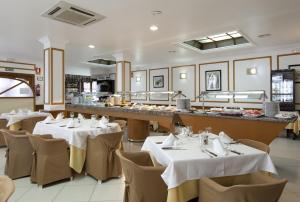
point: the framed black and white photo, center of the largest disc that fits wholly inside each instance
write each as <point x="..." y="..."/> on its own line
<point x="297" y="72"/>
<point x="213" y="80"/>
<point x="158" y="81"/>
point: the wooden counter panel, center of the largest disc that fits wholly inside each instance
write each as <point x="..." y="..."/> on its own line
<point x="262" y="131"/>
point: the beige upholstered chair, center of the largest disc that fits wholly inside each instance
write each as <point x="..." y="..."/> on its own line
<point x="255" y="144"/>
<point x="29" y="124"/>
<point x="101" y="159"/>
<point x="3" y="123"/>
<point x="143" y="181"/>
<point x="50" y="160"/>
<point x="7" y="188"/>
<point x="18" y="154"/>
<point x="255" y="187"/>
<point x="122" y="123"/>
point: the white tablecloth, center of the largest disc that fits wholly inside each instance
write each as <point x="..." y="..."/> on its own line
<point x="74" y="136"/>
<point x="192" y="163"/>
<point x="15" y="118"/>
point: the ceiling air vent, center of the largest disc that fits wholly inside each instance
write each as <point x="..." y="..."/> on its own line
<point x="72" y="14"/>
<point x="102" y="62"/>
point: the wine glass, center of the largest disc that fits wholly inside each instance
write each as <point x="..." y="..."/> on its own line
<point x="72" y="115"/>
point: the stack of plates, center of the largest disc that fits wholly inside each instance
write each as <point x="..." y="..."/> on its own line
<point x="271" y="108"/>
<point x="183" y="104"/>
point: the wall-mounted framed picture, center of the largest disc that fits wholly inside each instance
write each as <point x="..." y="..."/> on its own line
<point x="296" y="67"/>
<point x="158" y="81"/>
<point x="213" y="80"/>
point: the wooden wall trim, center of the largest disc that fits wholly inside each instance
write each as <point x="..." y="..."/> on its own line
<point x="228" y="86"/>
<point x="194" y="66"/>
<point x="285" y="55"/>
<point x="131" y="74"/>
<point x="253" y="58"/>
<point x="63" y="76"/>
<point x="161" y="68"/>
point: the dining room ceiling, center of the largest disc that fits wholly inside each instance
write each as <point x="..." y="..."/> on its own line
<point x="125" y="28"/>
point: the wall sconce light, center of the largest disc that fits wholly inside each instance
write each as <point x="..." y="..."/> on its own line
<point x="183" y="76"/>
<point x="138" y="79"/>
<point x="252" y="71"/>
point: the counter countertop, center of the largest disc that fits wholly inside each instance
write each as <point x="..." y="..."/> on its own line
<point x="171" y="113"/>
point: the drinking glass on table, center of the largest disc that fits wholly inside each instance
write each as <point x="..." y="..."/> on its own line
<point x="72" y="115"/>
<point x="93" y="120"/>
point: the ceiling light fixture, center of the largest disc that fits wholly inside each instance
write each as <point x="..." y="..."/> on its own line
<point x="91" y="46"/>
<point x="153" y="28"/>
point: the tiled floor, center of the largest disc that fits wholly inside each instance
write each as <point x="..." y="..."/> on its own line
<point x="284" y="152"/>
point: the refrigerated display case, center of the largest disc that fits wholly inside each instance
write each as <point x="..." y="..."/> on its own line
<point x="283" y="89"/>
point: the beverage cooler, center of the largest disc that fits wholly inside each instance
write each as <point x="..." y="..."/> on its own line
<point x="283" y="89"/>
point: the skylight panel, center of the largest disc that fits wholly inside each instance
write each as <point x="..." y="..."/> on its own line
<point x="221" y="38"/>
<point x="233" y="39"/>
<point x="236" y="35"/>
<point x="205" y="40"/>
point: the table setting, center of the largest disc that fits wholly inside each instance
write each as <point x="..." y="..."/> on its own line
<point x="189" y="157"/>
<point x="75" y="131"/>
<point x="15" y="116"/>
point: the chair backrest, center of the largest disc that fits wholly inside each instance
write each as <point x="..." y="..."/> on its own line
<point x="29" y="124"/>
<point x="7" y="188"/>
<point x="111" y="140"/>
<point x="270" y="192"/>
<point x="18" y="143"/>
<point x="3" y="123"/>
<point x="144" y="180"/>
<point x="131" y="161"/>
<point x="255" y="144"/>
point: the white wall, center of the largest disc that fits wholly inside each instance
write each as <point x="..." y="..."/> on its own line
<point x="242" y="81"/>
<point x="77" y="70"/>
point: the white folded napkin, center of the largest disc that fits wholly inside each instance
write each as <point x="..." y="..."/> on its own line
<point x="169" y="141"/>
<point x="20" y="111"/>
<point x="80" y="117"/>
<point x="59" y="117"/>
<point x="49" y="119"/>
<point x="104" y="120"/>
<point x="12" y="111"/>
<point x="225" y="138"/>
<point x="218" y="147"/>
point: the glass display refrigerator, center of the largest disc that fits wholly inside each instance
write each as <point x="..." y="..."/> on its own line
<point x="283" y="88"/>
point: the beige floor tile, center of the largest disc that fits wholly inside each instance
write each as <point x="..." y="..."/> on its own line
<point x="80" y="180"/>
<point x="36" y="194"/>
<point x="19" y="192"/>
<point x="104" y="192"/>
<point x="75" y="193"/>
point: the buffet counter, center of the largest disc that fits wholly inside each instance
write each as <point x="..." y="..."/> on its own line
<point x="263" y="129"/>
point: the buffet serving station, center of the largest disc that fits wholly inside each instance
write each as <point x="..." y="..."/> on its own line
<point x="240" y="125"/>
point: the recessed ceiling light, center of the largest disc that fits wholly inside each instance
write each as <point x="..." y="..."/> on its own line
<point x="157" y="12"/>
<point x="91" y="46"/>
<point x="264" y="35"/>
<point x="153" y="28"/>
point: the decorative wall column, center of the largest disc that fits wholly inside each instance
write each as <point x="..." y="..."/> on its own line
<point x="123" y="75"/>
<point x="54" y="68"/>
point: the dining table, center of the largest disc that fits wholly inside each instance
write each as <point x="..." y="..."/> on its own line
<point x="76" y="135"/>
<point x="189" y="161"/>
<point x="14" y="118"/>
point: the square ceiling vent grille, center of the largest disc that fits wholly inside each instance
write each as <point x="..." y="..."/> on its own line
<point x="227" y="40"/>
<point x="72" y="14"/>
